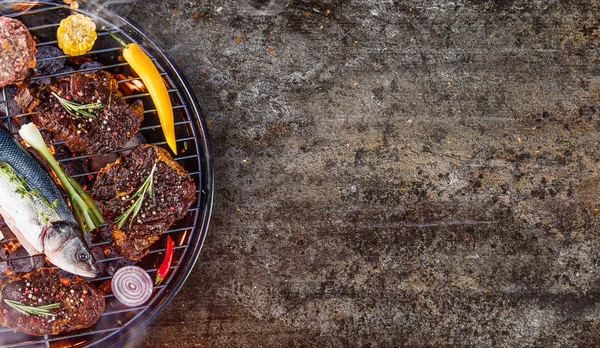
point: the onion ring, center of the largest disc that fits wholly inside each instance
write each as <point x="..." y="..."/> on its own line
<point x="131" y="285"/>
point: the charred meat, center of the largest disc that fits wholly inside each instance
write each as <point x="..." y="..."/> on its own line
<point x="101" y="130"/>
<point x="20" y="261"/>
<point x="168" y="199"/>
<point x="17" y="50"/>
<point x="41" y="303"/>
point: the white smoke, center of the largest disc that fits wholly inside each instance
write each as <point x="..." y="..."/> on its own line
<point x="10" y="6"/>
<point x="117" y="2"/>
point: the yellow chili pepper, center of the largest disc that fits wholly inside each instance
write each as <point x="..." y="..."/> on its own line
<point x="76" y="34"/>
<point x="145" y="68"/>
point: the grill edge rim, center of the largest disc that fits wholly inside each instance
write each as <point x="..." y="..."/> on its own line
<point x="205" y="192"/>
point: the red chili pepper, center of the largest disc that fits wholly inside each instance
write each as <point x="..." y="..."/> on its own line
<point x="166" y="263"/>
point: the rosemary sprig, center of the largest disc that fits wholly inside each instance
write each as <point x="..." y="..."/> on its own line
<point x="27" y="310"/>
<point x="147" y="187"/>
<point x="74" y="108"/>
<point x="30" y="195"/>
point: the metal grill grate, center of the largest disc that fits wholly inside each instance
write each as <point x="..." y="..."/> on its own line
<point x="119" y="321"/>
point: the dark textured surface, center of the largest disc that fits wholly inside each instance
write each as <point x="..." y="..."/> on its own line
<point x="391" y="172"/>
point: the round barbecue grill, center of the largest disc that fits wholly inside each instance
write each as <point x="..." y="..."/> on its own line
<point x="119" y="321"/>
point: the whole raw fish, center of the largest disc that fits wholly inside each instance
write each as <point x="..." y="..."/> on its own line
<point x="36" y="212"/>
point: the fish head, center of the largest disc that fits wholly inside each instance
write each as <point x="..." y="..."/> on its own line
<point x="66" y="248"/>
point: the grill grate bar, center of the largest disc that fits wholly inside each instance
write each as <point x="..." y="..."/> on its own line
<point x="148" y="111"/>
<point x="112" y="49"/>
<point x="171" y="230"/>
<point x="43" y="26"/>
<point x="170" y="90"/>
<point x="75" y="158"/>
<point x="176" y="107"/>
<point x="155" y="251"/>
<point x="49" y="59"/>
<point x="6" y="110"/>
<point x="54" y="42"/>
<point x="34" y="11"/>
<point x="48" y="340"/>
<point x="137" y="78"/>
<point x="124" y="310"/>
<point x="105" y="67"/>
<point x="94" y="173"/>
<point x="54" y="339"/>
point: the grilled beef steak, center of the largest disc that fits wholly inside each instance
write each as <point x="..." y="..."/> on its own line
<point x="17" y="50"/>
<point x="109" y="130"/>
<point x="173" y="193"/>
<point x="81" y="305"/>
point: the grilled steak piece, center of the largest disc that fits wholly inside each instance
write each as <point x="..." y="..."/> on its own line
<point x="80" y="304"/>
<point x="109" y="130"/>
<point x="174" y="192"/>
<point x="17" y="50"/>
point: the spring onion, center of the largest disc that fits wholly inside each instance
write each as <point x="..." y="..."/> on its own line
<point x="85" y="210"/>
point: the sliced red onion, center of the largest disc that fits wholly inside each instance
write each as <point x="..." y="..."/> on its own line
<point x="132" y="286"/>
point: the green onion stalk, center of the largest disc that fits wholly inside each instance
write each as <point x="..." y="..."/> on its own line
<point x="85" y="210"/>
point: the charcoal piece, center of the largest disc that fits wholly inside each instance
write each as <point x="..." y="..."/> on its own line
<point x="66" y="275"/>
<point x="100" y="161"/>
<point x="88" y="238"/>
<point x="114" y="265"/>
<point x="20" y="261"/>
<point x="44" y="80"/>
<point x="66" y="69"/>
<point x="13" y="107"/>
<point x="102" y="234"/>
<point x="94" y="66"/>
<point x="3" y="256"/>
<point x="98" y="254"/>
<point x="73" y="167"/>
<point x="137" y="139"/>
<point x="47" y="61"/>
